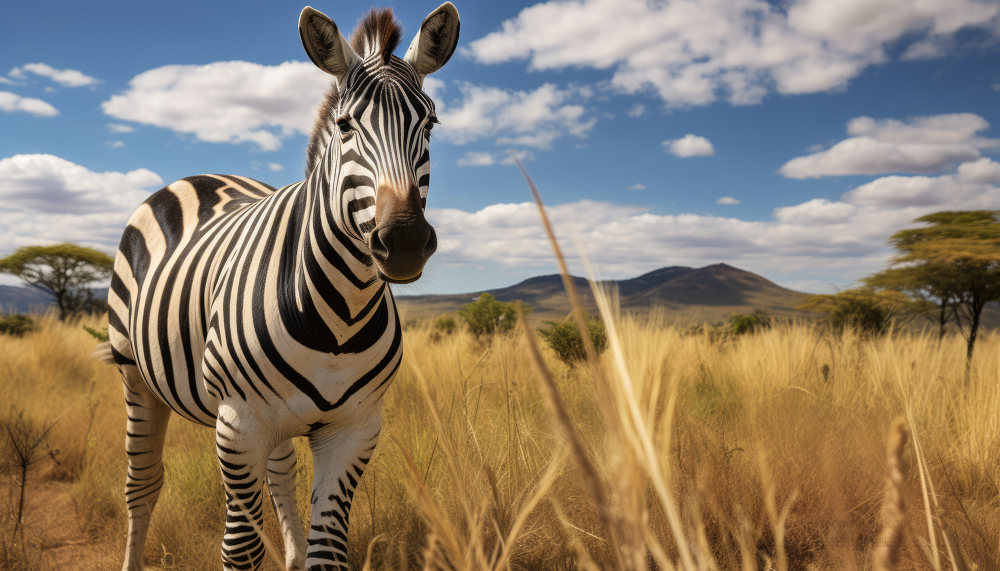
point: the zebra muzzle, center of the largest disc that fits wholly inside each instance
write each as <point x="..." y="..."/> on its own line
<point x="401" y="243"/>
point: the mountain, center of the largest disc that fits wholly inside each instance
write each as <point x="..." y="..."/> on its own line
<point x="17" y="299"/>
<point x="26" y="299"/>
<point x="689" y="295"/>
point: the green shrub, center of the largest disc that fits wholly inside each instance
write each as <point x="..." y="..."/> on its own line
<point x="17" y="325"/>
<point x="487" y="316"/>
<point x="564" y="338"/>
<point x="865" y="315"/>
<point x="740" y="323"/>
<point x="445" y="325"/>
<point x="865" y="310"/>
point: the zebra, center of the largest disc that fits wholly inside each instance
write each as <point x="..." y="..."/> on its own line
<point x="266" y="313"/>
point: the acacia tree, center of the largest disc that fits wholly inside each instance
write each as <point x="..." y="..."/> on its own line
<point x="933" y="284"/>
<point x="65" y="271"/>
<point x="954" y="260"/>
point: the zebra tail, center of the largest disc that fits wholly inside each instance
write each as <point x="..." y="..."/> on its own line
<point x="103" y="353"/>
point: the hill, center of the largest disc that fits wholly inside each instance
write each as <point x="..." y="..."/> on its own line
<point x="689" y="295"/>
<point x="26" y="299"/>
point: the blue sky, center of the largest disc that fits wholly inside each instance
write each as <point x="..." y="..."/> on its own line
<point x="788" y="139"/>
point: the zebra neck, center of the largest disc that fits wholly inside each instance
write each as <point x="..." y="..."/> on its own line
<point x="335" y="294"/>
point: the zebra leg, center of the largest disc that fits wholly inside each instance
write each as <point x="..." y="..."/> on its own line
<point x="339" y="459"/>
<point x="281" y="483"/>
<point x="242" y="446"/>
<point x="144" y="435"/>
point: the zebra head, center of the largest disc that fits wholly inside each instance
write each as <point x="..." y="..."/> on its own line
<point x="373" y="131"/>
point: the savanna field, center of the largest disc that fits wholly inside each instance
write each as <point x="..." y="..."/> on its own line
<point x="759" y="451"/>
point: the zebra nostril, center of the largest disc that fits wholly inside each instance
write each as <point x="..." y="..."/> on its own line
<point x="430" y="246"/>
<point x="377" y="246"/>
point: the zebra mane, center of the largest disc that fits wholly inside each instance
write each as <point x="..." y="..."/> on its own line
<point x="378" y="33"/>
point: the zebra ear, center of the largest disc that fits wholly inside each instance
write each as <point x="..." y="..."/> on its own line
<point x="436" y="41"/>
<point x="324" y="43"/>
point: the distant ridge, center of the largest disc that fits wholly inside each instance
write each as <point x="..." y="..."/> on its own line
<point x="27" y="299"/>
<point x="688" y="294"/>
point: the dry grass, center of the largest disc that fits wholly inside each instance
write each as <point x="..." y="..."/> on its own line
<point x="739" y="455"/>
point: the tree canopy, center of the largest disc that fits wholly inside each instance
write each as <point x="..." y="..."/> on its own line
<point x="954" y="261"/>
<point x="66" y="271"/>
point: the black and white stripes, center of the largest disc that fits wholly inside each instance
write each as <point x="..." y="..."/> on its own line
<point x="266" y="314"/>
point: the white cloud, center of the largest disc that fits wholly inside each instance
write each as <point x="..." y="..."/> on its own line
<point x="983" y="171"/>
<point x="474" y="159"/>
<point x="729" y="200"/>
<point x="637" y="110"/>
<point x="485" y="159"/>
<point x="115" y="144"/>
<point x="119" y="128"/>
<point x="225" y="102"/>
<point x="918" y="145"/>
<point x="831" y="240"/>
<point x="523" y="156"/>
<point x="47" y="199"/>
<point x="637" y="186"/>
<point x="930" y="48"/>
<point x="275" y="167"/>
<point x="691" y="53"/>
<point x="64" y="77"/>
<point x="523" y="118"/>
<point x="435" y="89"/>
<point x="11" y="102"/>
<point x="689" y="146"/>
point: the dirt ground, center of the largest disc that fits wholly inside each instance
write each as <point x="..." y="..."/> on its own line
<point x="51" y="519"/>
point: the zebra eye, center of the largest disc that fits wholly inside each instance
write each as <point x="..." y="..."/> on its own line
<point x="345" y="126"/>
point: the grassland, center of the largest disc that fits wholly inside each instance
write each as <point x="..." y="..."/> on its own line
<point x="758" y="452"/>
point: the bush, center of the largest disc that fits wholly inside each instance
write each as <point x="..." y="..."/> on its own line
<point x="864" y="315"/>
<point x="740" y="323"/>
<point x="564" y="338"/>
<point x="445" y="325"/>
<point x="487" y="316"/>
<point x="17" y="325"/>
<point x="864" y="310"/>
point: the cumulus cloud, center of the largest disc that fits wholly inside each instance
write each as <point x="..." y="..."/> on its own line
<point x="11" y="102"/>
<point x="115" y="144"/>
<point x="119" y="128"/>
<point x="839" y="239"/>
<point x="729" y="200"/>
<point x="64" y="77"/>
<point x="474" y="159"/>
<point x="275" y="167"/>
<point x="637" y="110"/>
<point x="983" y="171"/>
<point x="485" y="159"/>
<point x="225" y="102"/>
<point x="689" y="146"/>
<point x="637" y="186"/>
<point x="48" y="199"/>
<point x="917" y="145"/>
<point x="522" y="118"/>
<point x="692" y="53"/>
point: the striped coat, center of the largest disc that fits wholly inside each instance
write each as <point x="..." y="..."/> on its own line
<point x="266" y="313"/>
